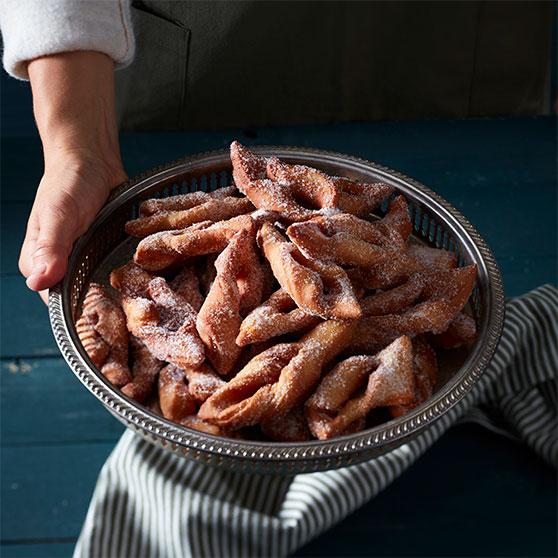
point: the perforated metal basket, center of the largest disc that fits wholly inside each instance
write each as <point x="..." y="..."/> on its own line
<point x="435" y="221"/>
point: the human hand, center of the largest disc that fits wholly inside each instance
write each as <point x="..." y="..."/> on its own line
<point x="73" y="99"/>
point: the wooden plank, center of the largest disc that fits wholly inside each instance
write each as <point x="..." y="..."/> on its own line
<point x="22" y="167"/>
<point x="44" y="403"/>
<point x="38" y="550"/>
<point x="46" y="489"/>
<point x="26" y="328"/>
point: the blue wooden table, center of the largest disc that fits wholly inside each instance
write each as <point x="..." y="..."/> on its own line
<point x="474" y="493"/>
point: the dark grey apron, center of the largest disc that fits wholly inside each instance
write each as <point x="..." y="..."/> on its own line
<point x="202" y="64"/>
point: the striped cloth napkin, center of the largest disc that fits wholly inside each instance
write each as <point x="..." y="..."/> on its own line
<point x="149" y="502"/>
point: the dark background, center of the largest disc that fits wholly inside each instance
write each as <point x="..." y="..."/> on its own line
<point x="475" y="493"/>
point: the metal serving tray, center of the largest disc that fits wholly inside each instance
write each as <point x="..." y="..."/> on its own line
<point x="435" y="222"/>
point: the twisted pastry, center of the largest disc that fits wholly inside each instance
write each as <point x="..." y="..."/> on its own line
<point x="203" y="381"/>
<point x="316" y="189"/>
<point x="165" y="249"/>
<point x="291" y="427"/>
<point x="249" y="173"/>
<point x="187" y="285"/>
<point x="145" y="370"/>
<point x="183" y="201"/>
<point x="349" y="240"/>
<point x="158" y="316"/>
<point x="393" y="300"/>
<point x="212" y="210"/>
<point x="388" y="379"/>
<point x="462" y="331"/>
<point x="237" y="286"/>
<point x="174" y="398"/>
<point x="278" y="379"/>
<point x="102" y="331"/>
<point x="443" y="295"/>
<point x="318" y="288"/>
<point x="416" y="258"/>
<point x="425" y="369"/>
<point x="276" y="316"/>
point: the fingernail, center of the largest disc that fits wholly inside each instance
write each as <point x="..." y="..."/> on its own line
<point x="37" y="270"/>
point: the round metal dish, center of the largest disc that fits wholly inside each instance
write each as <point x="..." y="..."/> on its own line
<point x="435" y="221"/>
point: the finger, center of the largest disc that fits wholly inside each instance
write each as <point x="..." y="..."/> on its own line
<point x="44" y="295"/>
<point x="28" y="247"/>
<point x="52" y="248"/>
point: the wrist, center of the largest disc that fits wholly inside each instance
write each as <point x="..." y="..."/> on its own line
<point x="74" y="106"/>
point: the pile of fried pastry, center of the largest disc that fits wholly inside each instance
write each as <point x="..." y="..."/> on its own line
<point x="280" y="308"/>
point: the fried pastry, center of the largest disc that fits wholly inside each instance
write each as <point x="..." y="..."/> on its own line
<point x="162" y="250"/>
<point x="174" y="397"/>
<point x="392" y="272"/>
<point x="212" y="210"/>
<point x="425" y="370"/>
<point x="162" y="319"/>
<point x="387" y="379"/>
<point x="184" y="201"/>
<point x="442" y="296"/>
<point x="318" y="190"/>
<point x="219" y="318"/>
<point x="278" y="379"/>
<point x="462" y="331"/>
<point x="394" y="300"/>
<point x="312" y="311"/>
<point x="187" y="285"/>
<point x="103" y="334"/>
<point x="291" y="427"/>
<point x="203" y="381"/>
<point x="145" y="369"/>
<point x="249" y="173"/>
<point x="196" y="423"/>
<point x="316" y="287"/>
<point x="276" y="316"/>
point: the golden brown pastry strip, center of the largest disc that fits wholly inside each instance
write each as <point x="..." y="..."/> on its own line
<point x="318" y="190"/>
<point x="237" y="285"/>
<point x="425" y="370"/>
<point x="276" y="316"/>
<point x="183" y="201"/>
<point x="213" y="210"/>
<point x="392" y="272"/>
<point x="443" y="295"/>
<point x="162" y="250"/>
<point x="278" y="379"/>
<point x="174" y="398"/>
<point x="462" y="331"/>
<point x="102" y="331"/>
<point x="158" y="316"/>
<point x="203" y="382"/>
<point x="249" y="172"/>
<point x="318" y="288"/>
<point x="187" y="285"/>
<point x="393" y="300"/>
<point x="145" y="370"/>
<point x="389" y="381"/>
<point x="291" y="427"/>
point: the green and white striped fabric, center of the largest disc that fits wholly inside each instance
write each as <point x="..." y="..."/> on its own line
<point x="149" y="502"/>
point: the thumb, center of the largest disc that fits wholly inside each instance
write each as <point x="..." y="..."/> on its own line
<point x="51" y="249"/>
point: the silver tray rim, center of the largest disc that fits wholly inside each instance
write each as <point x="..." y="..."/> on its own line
<point x="313" y="455"/>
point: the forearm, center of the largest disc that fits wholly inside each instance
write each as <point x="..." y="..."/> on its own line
<point x="74" y="106"/>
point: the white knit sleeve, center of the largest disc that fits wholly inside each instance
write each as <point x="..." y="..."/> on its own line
<point x="33" y="28"/>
